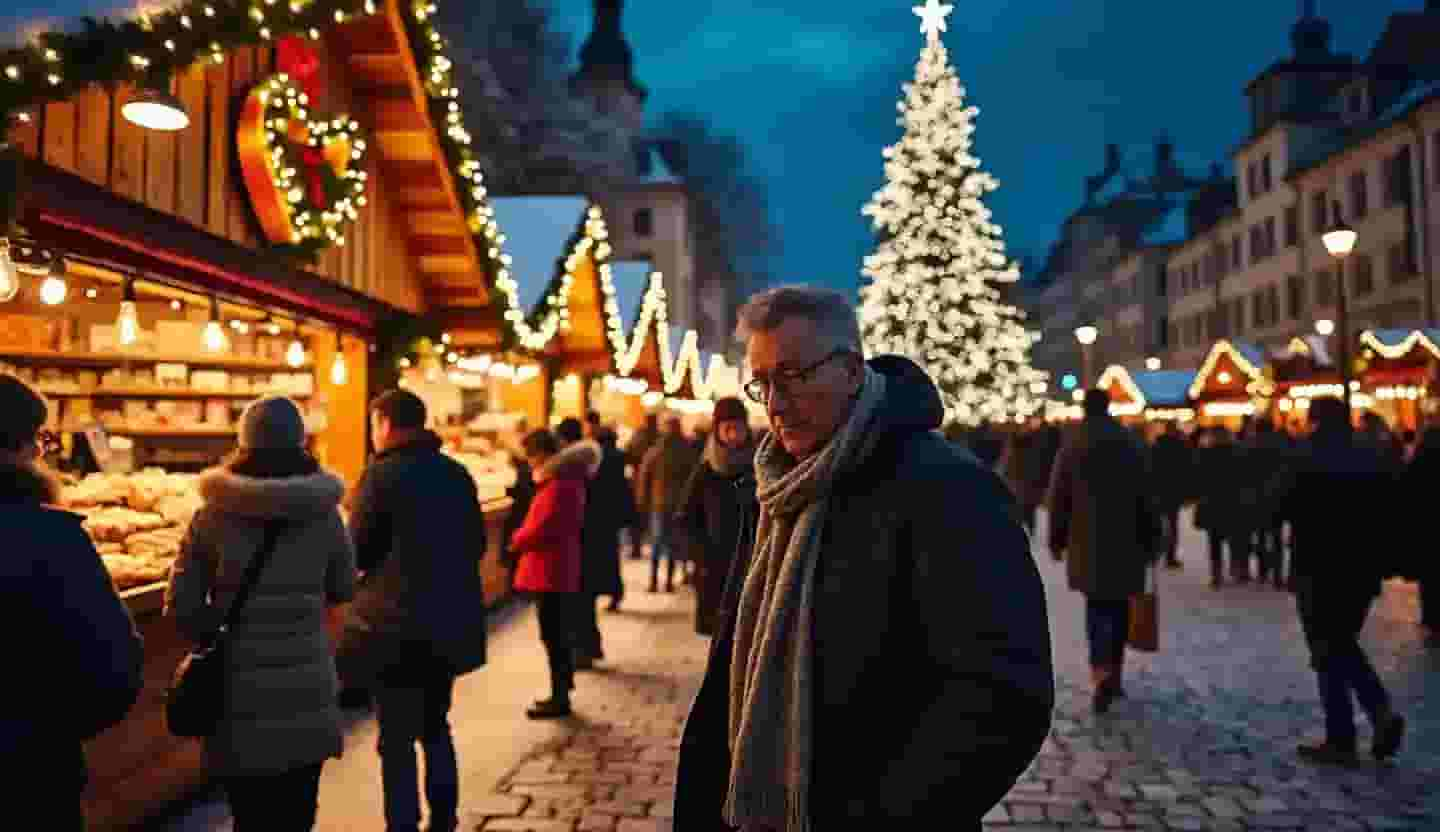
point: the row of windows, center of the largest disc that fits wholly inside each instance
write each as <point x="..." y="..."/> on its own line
<point x="1395" y="177"/>
<point x="1258" y="177"/>
<point x="1231" y="318"/>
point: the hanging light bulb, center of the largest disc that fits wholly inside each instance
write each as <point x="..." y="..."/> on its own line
<point x="9" y="277"/>
<point x="53" y="289"/>
<point x="127" y="323"/>
<point x="295" y="353"/>
<point x="214" y="336"/>
<point x="339" y="373"/>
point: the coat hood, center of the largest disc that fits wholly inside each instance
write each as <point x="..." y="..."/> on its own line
<point x="314" y="494"/>
<point x="912" y="401"/>
<point x="578" y="461"/>
<point x="27" y="485"/>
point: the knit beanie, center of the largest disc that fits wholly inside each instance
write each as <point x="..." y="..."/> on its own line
<point x="730" y="409"/>
<point x="273" y="422"/>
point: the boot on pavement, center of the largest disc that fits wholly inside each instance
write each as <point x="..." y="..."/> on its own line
<point x="1328" y="754"/>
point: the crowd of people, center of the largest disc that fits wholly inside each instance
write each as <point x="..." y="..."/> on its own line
<point x="1113" y="506"/>
<point x="851" y="503"/>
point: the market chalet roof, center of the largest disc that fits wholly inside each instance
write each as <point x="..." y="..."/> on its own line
<point x="537" y="230"/>
<point x="631" y="278"/>
<point x="1164" y="388"/>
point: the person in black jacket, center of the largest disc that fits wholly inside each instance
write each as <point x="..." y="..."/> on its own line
<point x="76" y="642"/>
<point x="882" y="653"/>
<point x="617" y="508"/>
<point x="1173" y="474"/>
<point x="1421" y="481"/>
<point x="720" y="490"/>
<point x="416" y="512"/>
<point x="1340" y="483"/>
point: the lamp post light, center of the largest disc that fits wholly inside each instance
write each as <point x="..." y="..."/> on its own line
<point x="1325" y="327"/>
<point x="1340" y="241"/>
<point x="1086" y="335"/>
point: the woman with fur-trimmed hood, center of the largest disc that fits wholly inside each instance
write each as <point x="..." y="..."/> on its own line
<point x="281" y="719"/>
<point x="548" y="547"/>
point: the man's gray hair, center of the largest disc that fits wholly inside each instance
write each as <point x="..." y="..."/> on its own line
<point x="830" y="311"/>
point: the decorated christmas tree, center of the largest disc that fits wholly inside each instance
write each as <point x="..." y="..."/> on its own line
<point x="933" y="289"/>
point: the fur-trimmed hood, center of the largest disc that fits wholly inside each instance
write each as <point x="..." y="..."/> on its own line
<point x="27" y="485"/>
<point x="580" y="460"/>
<point x="253" y="497"/>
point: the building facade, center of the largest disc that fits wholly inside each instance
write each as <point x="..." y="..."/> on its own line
<point x="1327" y="133"/>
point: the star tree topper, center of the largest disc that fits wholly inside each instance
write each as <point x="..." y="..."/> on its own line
<point x="932" y="17"/>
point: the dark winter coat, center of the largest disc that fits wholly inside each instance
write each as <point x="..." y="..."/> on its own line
<point x="419" y="505"/>
<point x="1228" y="490"/>
<point x="662" y="477"/>
<point x="1270" y="461"/>
<point x="1417" y="489"/>
<point x="710" y="515"/>
<point x="281" y="710"/>
<point x="548" y="543"/>
<point x="1343" y="492"/>
<point x="74" y="653"/>
<point x="1026" y="465"/>
<point x="609" y="507"/>
<point x="933" y="679"/>
<point x="1101" y="515"/>
<point x="1173" y="469"/>
<point x="520" y="494"/>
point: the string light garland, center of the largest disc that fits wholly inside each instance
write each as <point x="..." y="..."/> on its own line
<point x="931" y="290"/>
<point x="1221" y="349"/>
<point x="152" y="48"/>
<point x="1116" y="374"/>
<point x="1417" y="338"/>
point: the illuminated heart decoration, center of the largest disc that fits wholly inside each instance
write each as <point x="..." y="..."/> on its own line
<point x="304" y="175"/>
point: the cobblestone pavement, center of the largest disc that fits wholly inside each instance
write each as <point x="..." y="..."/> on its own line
<point x="1205" y="740"/>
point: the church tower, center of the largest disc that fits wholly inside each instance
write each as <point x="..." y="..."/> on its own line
<point x="607" y="69"/>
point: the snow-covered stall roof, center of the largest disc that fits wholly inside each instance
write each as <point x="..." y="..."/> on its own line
<point x="1164" y="388"/>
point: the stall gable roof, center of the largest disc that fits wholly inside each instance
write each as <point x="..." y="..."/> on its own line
<point x="1246" y="356"/>
<point x="537" y="231"/>
<point x="1117" y="375"/>
<point x="631" y="278"/>
<point x="1164" y="388"/>
<point x="1397" y="343"/>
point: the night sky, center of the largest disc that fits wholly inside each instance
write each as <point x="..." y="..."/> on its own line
<point x="811" y="86"/>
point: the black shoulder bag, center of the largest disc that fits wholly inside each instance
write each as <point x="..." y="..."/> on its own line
<point x="195" y="702"/>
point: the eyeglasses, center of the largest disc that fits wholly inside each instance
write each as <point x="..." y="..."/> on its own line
<point x="48" y="442"/>
<point x="759" y="389"/>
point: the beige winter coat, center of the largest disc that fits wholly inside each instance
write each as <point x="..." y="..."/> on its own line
<point x="281" y="710"/>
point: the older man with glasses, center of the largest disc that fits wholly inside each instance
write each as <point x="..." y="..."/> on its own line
<point x="883" y="599"/>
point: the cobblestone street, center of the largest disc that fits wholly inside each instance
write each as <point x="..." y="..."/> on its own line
<point x="1205" y="741"/>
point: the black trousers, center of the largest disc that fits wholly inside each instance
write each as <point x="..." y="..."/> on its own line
<point x="1171" y="520"/>
<point x="1332" y="620"/>
<point x="556" y="612"/>
<point x="284" y="802"/>
<point x="588" y="641"/>
<point x="416" y="709"/>
<point x="1430" y="599"/>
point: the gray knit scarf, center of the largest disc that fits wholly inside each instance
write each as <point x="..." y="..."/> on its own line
<point x="771" y="683"/>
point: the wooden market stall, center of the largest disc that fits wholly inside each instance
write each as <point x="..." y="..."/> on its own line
<point x="304" y="201"/>
<point x="1148" y="397"/>
<point x="1398" y="371"/>
<point x="1227" y="384"/>
<point x="1304" y="371"/>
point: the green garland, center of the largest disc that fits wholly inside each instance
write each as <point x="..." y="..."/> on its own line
<point x="149" y="51"/>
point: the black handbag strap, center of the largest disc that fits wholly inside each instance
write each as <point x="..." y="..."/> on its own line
<point x="268" y="543"/>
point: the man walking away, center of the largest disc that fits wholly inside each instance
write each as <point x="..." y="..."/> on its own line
<point x="416" y="512"/>
<point x="639" y="445"/>
<point x="1220" y="512"/>
<point x="663" y="475"/>
<point x="1102" y="520"/>
<point x="1339" y="483"/>
<point x="888" y="603"/>
<point x="1172" y="479"/>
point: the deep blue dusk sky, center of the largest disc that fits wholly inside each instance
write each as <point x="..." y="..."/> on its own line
<point x="811" y="86"/>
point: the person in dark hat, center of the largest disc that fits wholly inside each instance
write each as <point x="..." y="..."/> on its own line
<point x="718" y="495"/>
<point x="57" y="597"/>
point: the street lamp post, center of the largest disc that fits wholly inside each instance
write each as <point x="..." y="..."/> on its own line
<point x="1339" y="241"/>
<point x="1086" y="335"/>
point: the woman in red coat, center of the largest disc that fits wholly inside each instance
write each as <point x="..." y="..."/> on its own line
<point x="548" y="548"/>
